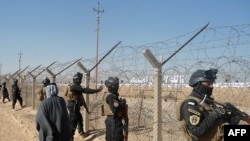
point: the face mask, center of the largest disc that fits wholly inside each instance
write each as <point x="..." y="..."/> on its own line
<point x="113" y="89"/>
<point x="205" y="90"/>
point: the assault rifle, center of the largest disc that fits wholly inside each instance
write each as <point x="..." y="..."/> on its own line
<point x="233" y="112"/>
<point x="80" y="100"/>
<point x="126" y="120"/>
<point x="236" y="113"/>
<point x="124" y="117"/>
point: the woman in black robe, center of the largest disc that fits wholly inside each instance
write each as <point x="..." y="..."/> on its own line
<point x="52" y="119"/>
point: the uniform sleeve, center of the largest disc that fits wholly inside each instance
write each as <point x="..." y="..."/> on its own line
<point x="90" y="91"/>
<point x="197" y="121"/>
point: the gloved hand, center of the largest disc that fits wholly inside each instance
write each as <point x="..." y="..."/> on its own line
<point x="123" y="102"/>
<point x="227" y="108"/>
<point x="235" y="120"/>
<point x="218" y="112"/>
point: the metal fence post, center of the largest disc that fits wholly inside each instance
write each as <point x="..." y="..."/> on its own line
<point x="86" y="115"/>
<point x="86" y="96"/>
<point x="157" y="127"/>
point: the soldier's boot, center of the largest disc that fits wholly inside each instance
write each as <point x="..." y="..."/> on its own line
<point x="84" y="134"/>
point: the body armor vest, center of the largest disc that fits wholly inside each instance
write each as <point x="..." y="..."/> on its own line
<point x="68" y="94"/>
<point x="106" y="111"/>
<point x="41" y="95"/>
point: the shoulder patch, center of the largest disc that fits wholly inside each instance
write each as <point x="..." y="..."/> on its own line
<point x="116" y="103"/>
<point x="190" y="102"/>
<point x="194" y="119"/>
<point x="194" y="112"/>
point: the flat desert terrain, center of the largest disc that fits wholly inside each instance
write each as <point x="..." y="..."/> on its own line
<point x="19" y="125"/>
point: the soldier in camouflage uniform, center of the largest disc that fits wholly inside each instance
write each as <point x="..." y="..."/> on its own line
<point x="75" y="99"/>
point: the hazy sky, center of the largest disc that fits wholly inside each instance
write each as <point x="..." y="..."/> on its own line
<point x="64" y="30"/>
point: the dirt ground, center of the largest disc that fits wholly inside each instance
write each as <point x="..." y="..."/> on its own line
<point x="19" y="125"/>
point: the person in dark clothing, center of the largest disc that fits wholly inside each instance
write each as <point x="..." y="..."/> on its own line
<point x="0" y="89"/>
<point x="5" y="92"/>
<point x="114" y="108"/>
<point x="41" y="94"/>
<point x="75" y="101"/>
<point x="16" y="94"/>
<point x="201" y="118"/>
<point x="52" y="119"/>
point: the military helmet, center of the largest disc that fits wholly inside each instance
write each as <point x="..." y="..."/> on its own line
<point x="112" y="81"/>
<point x="4" y="83"/>
<point x="203" y="75"/>
<point x="46" y="81"/>
<point x="77" y="78"/>
<point x="15" y="80"/>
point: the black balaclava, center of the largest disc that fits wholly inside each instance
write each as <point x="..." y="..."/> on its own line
<point x="113" y="89"/>
<point x="204" y="89"/>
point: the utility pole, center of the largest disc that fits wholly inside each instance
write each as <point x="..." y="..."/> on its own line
<point x="98" y="11"/>
<point x="20" y="59"/>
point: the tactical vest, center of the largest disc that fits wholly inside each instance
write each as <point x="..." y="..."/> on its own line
<point x="41" y="95"/>
<point x="105" y="108"/>
<point x="74" y="96"/>
<point x="16" y="90"/>
<point x="214" y="134"/>
<point x="68" y="94"/>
